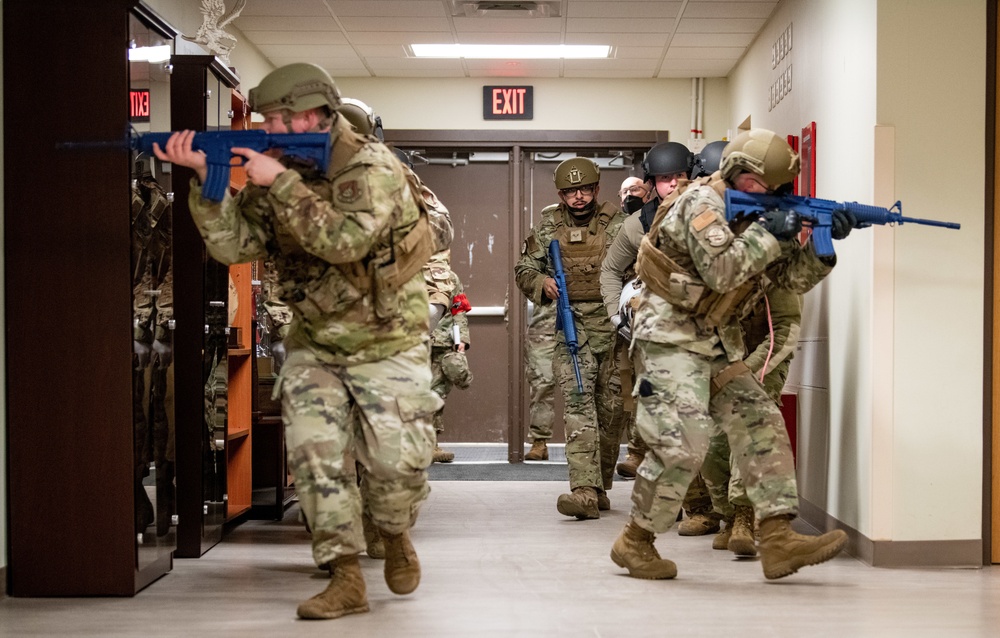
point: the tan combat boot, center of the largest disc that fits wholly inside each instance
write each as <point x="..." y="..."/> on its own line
<point x="603" y="502"/>
<point x="581" y="503"/>
<point x="628" y="467"/>
<point x="721" y="540"/>
<point x="374" y="546"/>
<point x="741" y="540"/>
<point x="441" y="456"/>
<point x="634" y="550"/>
<point x="699" y="525"/>
<point x="783" y="551"/>
<point x="402" y="568"/>
<point x="346" y="593"/>
<point x="539" y="451"/>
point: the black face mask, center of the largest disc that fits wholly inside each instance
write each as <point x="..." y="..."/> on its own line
<point x="631" y="204"/>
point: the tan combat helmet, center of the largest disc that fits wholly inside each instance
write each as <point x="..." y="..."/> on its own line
<point x="763" y="153"/>
<point x="576" y="171"/>
<point x="361" y="117"/>
<point x="296" y="87"/>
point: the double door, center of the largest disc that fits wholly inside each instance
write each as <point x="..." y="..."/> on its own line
<point x="495" y="190"/>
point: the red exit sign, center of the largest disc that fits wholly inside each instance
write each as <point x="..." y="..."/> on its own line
<point x="139" y="105"/>
<point x="507" y="103"/>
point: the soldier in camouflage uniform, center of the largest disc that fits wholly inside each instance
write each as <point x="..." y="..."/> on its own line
<point x="780" y="313"/>
<point x="595" y="417"/>
<point x="699" y="275"/>
<point x="665" y="166"/>
<point x="449" y="365"/>
<point x="538" y="351"/>
<point x="349" y="244"/>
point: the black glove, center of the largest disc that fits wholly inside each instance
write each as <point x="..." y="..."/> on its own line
<point x="783" y="224"/>
<point x="843" y="222"/>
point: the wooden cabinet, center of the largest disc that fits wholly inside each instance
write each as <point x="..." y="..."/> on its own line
<point x="201" y="336"/>
<point x="239" y="439"/>
<point x="71" y="442"/>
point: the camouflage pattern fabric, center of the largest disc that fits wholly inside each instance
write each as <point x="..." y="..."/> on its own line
<point x="378" y="413"/>
<point x="539" y="349"/>
<point x="356" y="381"/>
<point x="724" y="481"/>
<point x="677" y="357"/>
<point x="594" y="419"/>
<point x="440" y="281"/>
<point x="322" y="233"/>
<point x="677" y="417"/>
<point x="278" y="313"/>
<point x="442" y="347"/>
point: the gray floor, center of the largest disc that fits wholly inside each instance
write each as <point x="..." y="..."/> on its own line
<point x="500" y="561"/>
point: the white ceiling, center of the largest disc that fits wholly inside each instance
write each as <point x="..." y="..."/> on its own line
<point x="370" y="38"/>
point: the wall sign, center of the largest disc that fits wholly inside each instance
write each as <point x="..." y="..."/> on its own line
<point x="139" y="105"/>
<point x="508" y="103"/>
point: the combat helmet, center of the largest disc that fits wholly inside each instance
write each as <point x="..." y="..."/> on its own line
<point x="763" y="153"/>
<point x="297" y="87"/>
<point x="707" y="161"/>
<point x="362" y="117"/>
<point x="667" y="158"/>
<point x="576" y="171"/>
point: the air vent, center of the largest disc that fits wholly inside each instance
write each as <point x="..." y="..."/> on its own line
<point x="505" y="9"/>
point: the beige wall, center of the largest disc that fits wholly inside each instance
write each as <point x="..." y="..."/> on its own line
<point x="559" y="104"/>
<point x="890" y="407"/>
<point x="3" y="341"/>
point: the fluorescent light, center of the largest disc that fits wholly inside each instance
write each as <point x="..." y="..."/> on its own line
<point x="149" y="54"/>
<point x="511" y="51"/>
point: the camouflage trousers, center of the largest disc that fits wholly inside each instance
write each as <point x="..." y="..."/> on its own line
<point x="377" y="413"/>
<point x="439" y="384"/>
<point x="595" y="418"/>
<point x="538" y="353"/>
<point x="722" y="475"/>
<point x="677" y="415"/>
<point x="698" y="499"/>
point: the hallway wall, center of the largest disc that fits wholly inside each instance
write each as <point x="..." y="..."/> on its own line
<point x="889" y="375"/>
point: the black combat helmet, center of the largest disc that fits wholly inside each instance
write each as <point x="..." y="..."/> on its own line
<point x="667" y="158"/>
<point x="708" y="160"/>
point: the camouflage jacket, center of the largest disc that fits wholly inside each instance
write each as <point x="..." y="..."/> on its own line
<point x="534" y="266"/>
<point x="441" y="336"/>
<point x="696" y="228"/>
<point x="326" y="234"/>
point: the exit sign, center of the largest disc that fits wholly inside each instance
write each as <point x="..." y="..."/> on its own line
<point x="507" y="103"/>
<point x="139" y="105"/>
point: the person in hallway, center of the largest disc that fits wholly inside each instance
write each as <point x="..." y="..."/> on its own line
<point x="594" y="418"/>
<point x="449" y="364"/>
<point x="356" y="380"/>
<point x="539" y="349"/>
<point x="771" y="332"/>
<point x="699" y="273"/>
<point x="665" y="167"/>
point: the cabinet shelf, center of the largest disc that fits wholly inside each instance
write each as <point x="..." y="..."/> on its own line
<point x="239" y="352"/>
<point x="237" y="435"/>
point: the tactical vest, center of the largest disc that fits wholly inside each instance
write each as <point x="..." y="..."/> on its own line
<point x="395" y="259"/>
<point x="583" y="249"/>
<point x="670" y="273"/>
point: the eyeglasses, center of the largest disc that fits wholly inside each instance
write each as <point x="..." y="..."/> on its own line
<point x="585" y="190"/>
